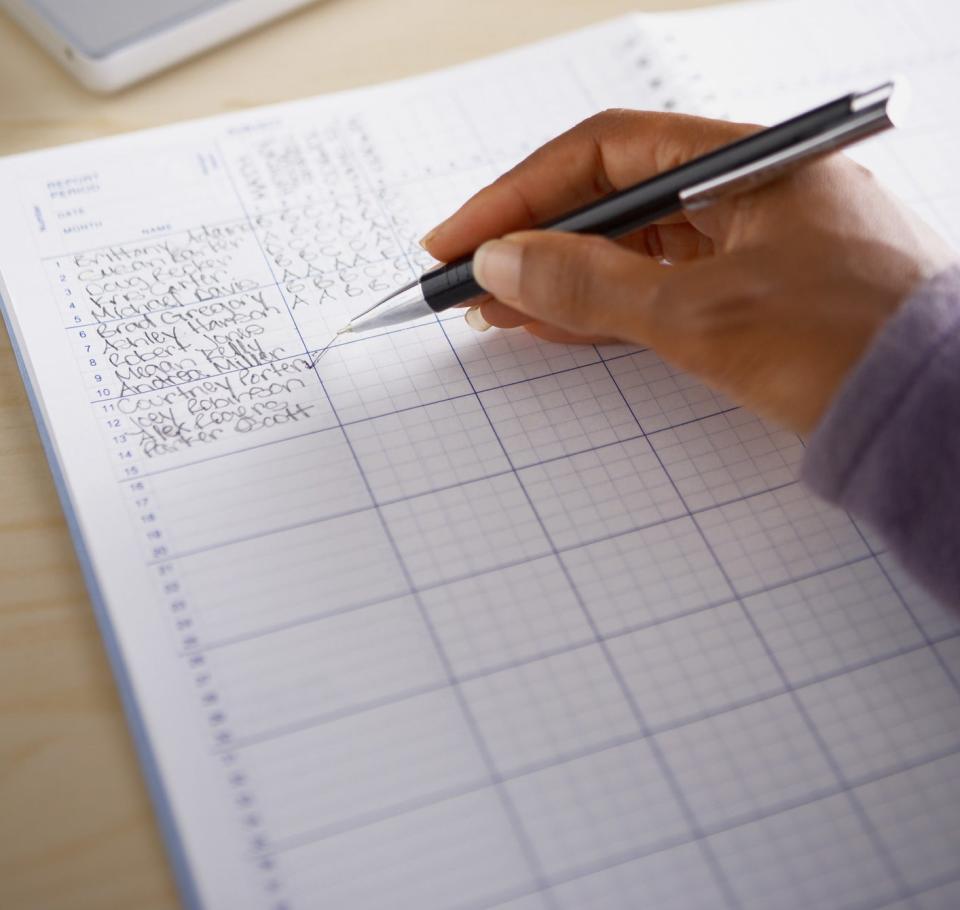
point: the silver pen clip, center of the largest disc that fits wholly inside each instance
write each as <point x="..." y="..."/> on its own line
<point x="870" y="112"/>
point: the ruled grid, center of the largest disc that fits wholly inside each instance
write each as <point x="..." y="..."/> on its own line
<point x="479" y="621"/>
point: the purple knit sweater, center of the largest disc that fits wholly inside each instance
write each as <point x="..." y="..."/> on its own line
<point x="888" y="449"/>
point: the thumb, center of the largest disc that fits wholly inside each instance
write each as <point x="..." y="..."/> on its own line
<point x="583" y="284"/>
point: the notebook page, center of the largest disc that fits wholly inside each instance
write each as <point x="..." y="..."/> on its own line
<point x="441" y="620"/>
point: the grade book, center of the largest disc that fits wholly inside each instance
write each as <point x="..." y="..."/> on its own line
<point x="443" y="620"/>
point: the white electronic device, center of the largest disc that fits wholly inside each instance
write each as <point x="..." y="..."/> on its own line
<point x="109" y="44"/>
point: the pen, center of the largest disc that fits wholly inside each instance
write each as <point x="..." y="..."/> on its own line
<point x="741" y="166"/>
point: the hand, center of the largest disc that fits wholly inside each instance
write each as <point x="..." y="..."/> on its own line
<point x="770" y="297"/>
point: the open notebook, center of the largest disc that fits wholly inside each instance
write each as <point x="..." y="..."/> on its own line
<point x="457" y="621"/>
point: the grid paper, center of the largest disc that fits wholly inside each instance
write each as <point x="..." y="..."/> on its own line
<point x="440" y="620"/>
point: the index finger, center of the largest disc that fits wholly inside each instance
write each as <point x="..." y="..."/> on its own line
<point x="605" y="153"/>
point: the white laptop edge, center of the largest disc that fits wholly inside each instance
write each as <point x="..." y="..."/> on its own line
<point x="153" y="52"/>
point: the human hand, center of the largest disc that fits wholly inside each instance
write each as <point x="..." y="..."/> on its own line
<point x="770" y="297"/>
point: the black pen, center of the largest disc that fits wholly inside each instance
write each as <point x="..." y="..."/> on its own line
<point x="743" y="165"/>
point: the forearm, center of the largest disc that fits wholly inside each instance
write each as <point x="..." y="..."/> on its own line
<point x="888" y="449"/>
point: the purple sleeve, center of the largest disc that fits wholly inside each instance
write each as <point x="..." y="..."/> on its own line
<point x="888" y="449"/>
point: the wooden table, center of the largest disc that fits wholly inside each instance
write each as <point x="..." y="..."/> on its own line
<point x="76" y="827"/>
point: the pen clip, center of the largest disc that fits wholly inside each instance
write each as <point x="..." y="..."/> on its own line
<point x="869" y="113"/>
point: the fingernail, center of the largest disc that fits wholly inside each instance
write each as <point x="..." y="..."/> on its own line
<point x="496" y="267"/>
<point x="475" y="320"/>
<point x="426" y="238"/>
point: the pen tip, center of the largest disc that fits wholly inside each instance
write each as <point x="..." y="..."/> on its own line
<point x="346" y="330"/>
